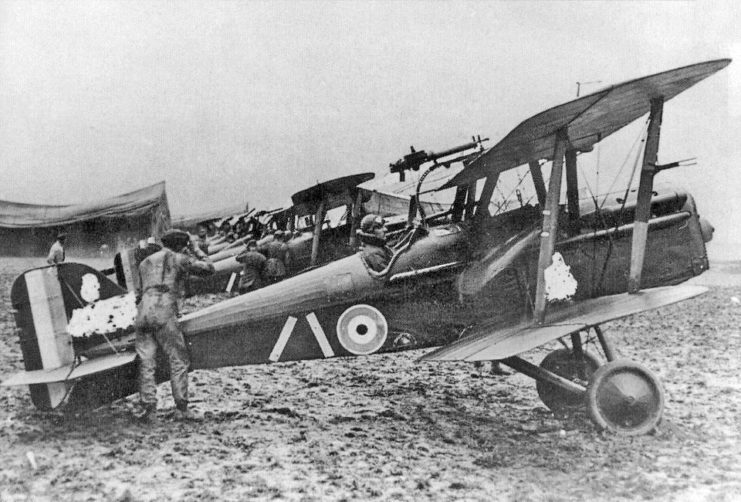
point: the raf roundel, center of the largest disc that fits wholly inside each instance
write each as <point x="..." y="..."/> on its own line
<point x="362" y="329"/>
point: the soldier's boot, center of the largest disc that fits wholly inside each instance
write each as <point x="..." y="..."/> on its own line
<point x="183" y="413"/>
<point x="149" y="415"/>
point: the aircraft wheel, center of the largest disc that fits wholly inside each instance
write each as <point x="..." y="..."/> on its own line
<point x="626" y="398"/>
<point x="563" y="363"/>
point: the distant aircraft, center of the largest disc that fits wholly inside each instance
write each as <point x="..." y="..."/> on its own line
<point x="479" y="287"/>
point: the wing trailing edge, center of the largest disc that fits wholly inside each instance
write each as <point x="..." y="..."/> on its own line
<point x="492" y="342"/>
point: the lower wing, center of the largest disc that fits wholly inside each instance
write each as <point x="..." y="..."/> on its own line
<point x="487" y="343"/>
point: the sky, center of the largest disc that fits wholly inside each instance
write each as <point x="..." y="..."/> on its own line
<point x="247" y="102"/>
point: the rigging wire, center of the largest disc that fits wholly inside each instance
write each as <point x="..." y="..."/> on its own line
<point x="505" y="203"/>
<point x="596" y="187"/>
<point x="619" y="219"/>
<point x="639" y="139"/>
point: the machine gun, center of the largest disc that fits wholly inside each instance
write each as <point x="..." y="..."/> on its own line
<point x="416" y="158"/>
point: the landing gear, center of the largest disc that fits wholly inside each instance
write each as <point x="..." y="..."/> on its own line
<point x="620" y="396"/>
<point x="626" y="398"/>
<point x="566" y="364"/>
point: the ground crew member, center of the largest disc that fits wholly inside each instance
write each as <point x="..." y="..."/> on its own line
<point x="201" y="239"/>
<point x="149" y="248"/>
<point x="372" y="234"/>
<point x="253" y="273"/>
<point x="278" y="257"/>
<point x="162" y="275"/>
<point x="56" y="252"/>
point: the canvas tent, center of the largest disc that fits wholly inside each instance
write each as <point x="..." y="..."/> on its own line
<point x="190" y="222"/>
<point x="117" y="222"/>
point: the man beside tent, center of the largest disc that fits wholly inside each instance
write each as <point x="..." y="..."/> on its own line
<point x="56" y="253"/>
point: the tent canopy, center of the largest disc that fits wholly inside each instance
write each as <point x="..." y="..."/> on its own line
<point x="97" y="227"/>
<point x="137" y="203"/>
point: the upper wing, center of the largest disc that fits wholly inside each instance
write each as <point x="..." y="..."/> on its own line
<point x="306" y="201"/>
<point x="589" y="119"/>
<point x="489" y="343"/>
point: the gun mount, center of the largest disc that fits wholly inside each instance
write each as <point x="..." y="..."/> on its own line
<point x="415" y="159"/>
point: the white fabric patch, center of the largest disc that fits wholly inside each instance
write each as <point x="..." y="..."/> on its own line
<point x="559" y="283"/>
<point x="90" y="289"/>
<point x="103" y="317"/>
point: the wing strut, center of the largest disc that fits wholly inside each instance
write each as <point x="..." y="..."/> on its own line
<point x="470" y="199"/>
<point x="550" y="222"/>
<point x="355" y="217"/>
<point x="458" y="203"/>
<point x="482" y="210"/>
<point x="645" y="188"/>
<point x="572" y="190"/>
<point x="319" y="221"/>
<point x="537" y="175"/>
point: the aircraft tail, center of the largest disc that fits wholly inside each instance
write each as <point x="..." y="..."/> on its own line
<point x="44" y="299"/>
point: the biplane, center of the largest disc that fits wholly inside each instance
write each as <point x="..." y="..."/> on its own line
<point x="314" y="241"/>
<point x="475" y="285"/>
<point x="322" y="220"/>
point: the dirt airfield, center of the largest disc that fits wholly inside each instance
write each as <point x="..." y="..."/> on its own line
<point x="388" y="428"/>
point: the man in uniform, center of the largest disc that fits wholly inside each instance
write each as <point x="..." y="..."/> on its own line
<point x="162" y="275"/>
<point x="372" y="234"/>
<point x="56" y="253"/>
<point x="201" y="239"/>
<point x="150" y="247"/>
<point x="278" y="258"/>
<point x="253" y="272"/>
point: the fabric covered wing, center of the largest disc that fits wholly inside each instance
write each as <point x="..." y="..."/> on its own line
<point x="333" y="192"/>
<point x="63" y="373"/>
<point x="490" y="342"/>
<point x="589" y="119"/>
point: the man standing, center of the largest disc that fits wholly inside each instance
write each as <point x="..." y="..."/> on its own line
<point x="253" y="272"/>
<point x="278" y="257"/>
<point x="150" y="247"/>
<point x="162" y="275"/>
<point x="201" y="239"/>
<point x="56" y="253"/>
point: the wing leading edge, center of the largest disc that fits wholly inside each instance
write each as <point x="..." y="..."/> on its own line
<point x="490" y="343"/>
<point x="589" y="119"/>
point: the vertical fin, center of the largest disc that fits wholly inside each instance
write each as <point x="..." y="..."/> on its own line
<point x="50" y="324"/>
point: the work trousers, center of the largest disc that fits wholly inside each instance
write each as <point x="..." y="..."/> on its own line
<point x="171" y="340"/>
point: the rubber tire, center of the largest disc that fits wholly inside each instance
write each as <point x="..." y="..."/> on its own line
<point x="597" y="387"/>
<point x="555" y="398"/>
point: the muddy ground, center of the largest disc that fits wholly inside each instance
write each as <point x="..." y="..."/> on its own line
<point x="388" y="428"/>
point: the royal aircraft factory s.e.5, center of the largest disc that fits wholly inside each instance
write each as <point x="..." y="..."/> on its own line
<point x="475" y="285"/>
